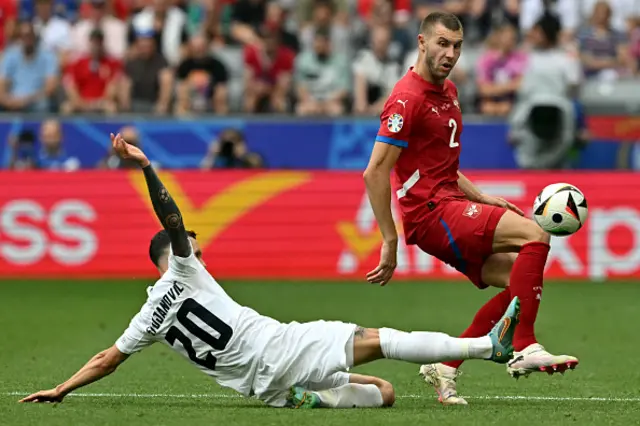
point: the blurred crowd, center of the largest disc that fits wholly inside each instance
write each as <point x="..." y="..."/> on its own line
<point x="307" y="57"/>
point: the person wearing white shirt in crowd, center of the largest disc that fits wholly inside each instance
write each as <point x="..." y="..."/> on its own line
<point x="374" y="74"/>
<point x="54" y="32"/>
<point x="114" y="30"/>
<point x="567" y="10"/>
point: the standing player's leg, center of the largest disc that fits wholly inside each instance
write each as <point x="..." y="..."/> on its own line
<point x="443" y="376"/>
<point x="495" y="273"/>
<point x="515" y="233"/>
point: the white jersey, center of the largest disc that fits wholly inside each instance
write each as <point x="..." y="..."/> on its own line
<point x="189" y="311"/>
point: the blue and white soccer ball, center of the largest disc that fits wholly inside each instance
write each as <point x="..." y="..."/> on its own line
<point x="560" y="209"/>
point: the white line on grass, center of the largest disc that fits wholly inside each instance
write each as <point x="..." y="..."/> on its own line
<point x="227" y="396"/>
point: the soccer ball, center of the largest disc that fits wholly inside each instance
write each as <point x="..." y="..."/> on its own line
<point x="560" y="209"/>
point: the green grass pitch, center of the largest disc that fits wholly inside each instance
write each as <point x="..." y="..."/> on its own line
<point x="50" y="328"/>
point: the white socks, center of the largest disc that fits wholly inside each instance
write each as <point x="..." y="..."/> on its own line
<point x="351" y="395"/>
<point x="423" y="347"/>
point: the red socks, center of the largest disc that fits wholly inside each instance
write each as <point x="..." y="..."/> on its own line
<point x="485" y="319"/>
<point x="526" y="282"/>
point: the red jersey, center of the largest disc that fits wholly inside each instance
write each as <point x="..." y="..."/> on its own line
<point x="269" y="71"/>
<point x="424" y="119"/>
<point x="91" y="78"/>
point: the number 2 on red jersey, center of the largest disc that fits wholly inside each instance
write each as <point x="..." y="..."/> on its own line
<point x="454" y="129"/>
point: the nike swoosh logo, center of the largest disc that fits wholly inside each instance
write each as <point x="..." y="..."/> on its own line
<point x="505" y="327"/>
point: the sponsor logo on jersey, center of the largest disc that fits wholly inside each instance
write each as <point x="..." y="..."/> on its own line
<point x="473" y="210"/>
<point x="395" y="123"/>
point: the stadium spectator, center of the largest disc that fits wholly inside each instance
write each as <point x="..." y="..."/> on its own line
<point x="147" y="82"/>
<point x="306" y="10"/>
<point x="381" y="15"/>
<point x="113" y="162"/>
<point x="604" y="51"/>
<point x="28" y="74"/>
<point x="169" y="26"/>
<point x="545" y="124"/>
<point x="53" y="31"/>
<point x="268" y="75"/>
<point x="202" y="81"/>
<point x="621" y="12"/>
<point x="499" y="72"/>
<point x="114" y="30"/>
<point x="205" y="17"/>
<point x="374" y="74"/>
<point x="549" y="68"/>
<point x="8" y="15"/>
<point x="52" y="155"/>
<point x="399" y="11"/>
<point x="275" y="21"/>
<point x="252" y="17"/>
<point x="568" y="11"/>
<point x="322" y="79"/>
<point x="230" y="151"/>
<point x="247" y="19"/>
<point x="324" y="16"/>
<point x="91" y="82"/>
<point x="23" y="154"/>
<point x="480" y="17"/>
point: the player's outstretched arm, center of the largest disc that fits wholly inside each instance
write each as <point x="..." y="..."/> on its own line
<point x="377" y="181"/>
<point x="166" y="209"/>
<point x="101" y="365"/>
<point x="473" y="193"/>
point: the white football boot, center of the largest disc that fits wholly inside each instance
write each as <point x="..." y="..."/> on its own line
<point x="534" y="358"/>
<point x="443" y="379"/>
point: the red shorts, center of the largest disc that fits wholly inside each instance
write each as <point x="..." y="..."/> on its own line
<point x="460" y="233"/>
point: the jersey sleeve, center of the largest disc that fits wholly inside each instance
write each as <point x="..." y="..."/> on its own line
<point x="135" y="338"/>
<point x="396" y="120"/>
<point x="184" y="267"/>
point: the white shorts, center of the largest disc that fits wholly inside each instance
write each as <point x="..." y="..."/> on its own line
<point x="314" y="355"/>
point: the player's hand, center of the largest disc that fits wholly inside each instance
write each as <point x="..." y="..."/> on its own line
<point x="388" y="262"/>
<point x="127" y="151"/>
<point x="51" y="395"/>
<point x="500" y="202"/>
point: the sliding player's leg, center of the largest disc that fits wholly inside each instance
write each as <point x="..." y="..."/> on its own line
<point x="370" y="344"/>
<point x="426" y="347"/>
<point x="344" y="390"/>
<point x="515" y="233"/>
<point x="320" y="349"/>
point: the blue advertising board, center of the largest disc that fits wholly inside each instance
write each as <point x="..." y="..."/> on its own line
<point x="284" y="143"/>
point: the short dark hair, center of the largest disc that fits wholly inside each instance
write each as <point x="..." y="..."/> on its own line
<point x="550" y="26"/>
<point x="160" y="243"/>
<point x="448" y="20"/>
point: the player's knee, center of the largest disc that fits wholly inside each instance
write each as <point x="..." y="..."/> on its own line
<point x="537" y="234"/>
<point x="388" y="393"/>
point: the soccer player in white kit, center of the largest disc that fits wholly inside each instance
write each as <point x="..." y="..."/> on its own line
<point x="300" y="365"/>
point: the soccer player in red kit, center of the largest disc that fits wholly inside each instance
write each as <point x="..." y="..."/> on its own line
<point x="484" y="237"/>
